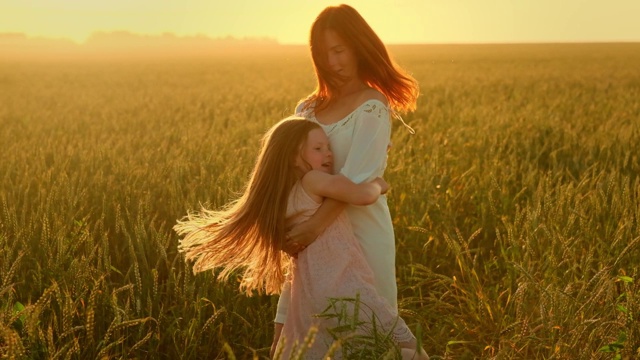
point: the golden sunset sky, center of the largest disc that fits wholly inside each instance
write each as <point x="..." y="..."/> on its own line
<point x="288" y="21"/>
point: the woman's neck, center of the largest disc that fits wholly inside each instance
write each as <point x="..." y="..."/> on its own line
<point x="350" y="88"/>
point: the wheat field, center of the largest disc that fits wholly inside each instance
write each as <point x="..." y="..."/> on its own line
<point x="516" y="204"/>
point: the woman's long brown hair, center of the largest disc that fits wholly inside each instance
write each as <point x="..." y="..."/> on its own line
<point x="375" y="66"/>
<point x="248" y="233"/>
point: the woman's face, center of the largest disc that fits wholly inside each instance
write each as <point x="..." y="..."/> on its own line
<point x="341" y="58"/>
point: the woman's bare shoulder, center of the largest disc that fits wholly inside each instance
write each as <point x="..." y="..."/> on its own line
<point x="372" y="94"/>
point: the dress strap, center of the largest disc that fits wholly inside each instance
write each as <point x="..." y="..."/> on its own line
<point x="396" y="115"/>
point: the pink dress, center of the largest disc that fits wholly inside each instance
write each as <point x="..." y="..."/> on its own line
<point x="333" y="266"/>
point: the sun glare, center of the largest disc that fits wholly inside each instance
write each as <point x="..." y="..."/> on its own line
<point x="288" y="21"/>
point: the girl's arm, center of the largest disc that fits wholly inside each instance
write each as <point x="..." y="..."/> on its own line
<point x="340" y="188"/>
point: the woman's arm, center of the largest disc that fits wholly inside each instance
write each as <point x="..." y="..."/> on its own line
<point x="337" y="191"/>
<point x="306" y="232"/>
<point x="371" y="138"/>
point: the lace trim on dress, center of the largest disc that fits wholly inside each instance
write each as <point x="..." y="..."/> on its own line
<point x="368" y="106"/>
<point x="310" y="114"/>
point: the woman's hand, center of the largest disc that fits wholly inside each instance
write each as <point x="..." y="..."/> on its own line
<point x="299" y="237"/>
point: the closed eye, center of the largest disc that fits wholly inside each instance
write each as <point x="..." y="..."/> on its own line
<point x="338" y="49"/>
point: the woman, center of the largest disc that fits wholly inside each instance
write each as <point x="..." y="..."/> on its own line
<point x="358" y="87"/>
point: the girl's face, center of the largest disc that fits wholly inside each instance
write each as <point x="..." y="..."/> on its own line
<point x="316" y="153"/>
<point x="341" y="58"/>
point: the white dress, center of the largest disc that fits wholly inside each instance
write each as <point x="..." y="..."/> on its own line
<point x="359" y="143"/>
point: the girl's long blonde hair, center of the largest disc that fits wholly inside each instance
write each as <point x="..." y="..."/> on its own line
<point x="248" y="233"/>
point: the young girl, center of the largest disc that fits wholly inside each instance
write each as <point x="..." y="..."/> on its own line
<point x="292" y="175"/>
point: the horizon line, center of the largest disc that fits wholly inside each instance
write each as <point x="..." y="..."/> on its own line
<point x="274" y="41"/>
